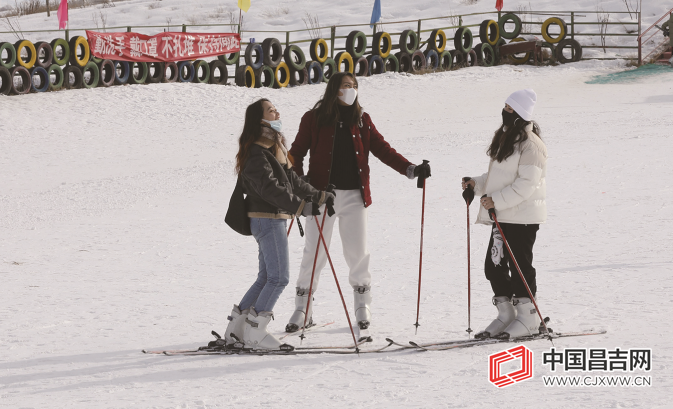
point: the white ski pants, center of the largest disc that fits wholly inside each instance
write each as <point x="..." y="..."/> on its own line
<point x="352" y="215"/>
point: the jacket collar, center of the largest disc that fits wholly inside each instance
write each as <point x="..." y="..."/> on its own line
<point x="268" y="139"/>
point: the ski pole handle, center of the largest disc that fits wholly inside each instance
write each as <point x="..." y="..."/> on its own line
<point x="421" y="178"/>
<point x="491" y="211"/>
<point x="468" y="193"/>
<point x="330" y="206"/>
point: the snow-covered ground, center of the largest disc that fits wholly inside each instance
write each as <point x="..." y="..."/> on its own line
<point x="112" y="240"/>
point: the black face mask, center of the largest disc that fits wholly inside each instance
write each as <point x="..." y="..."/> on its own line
<point x="508" y="118"/>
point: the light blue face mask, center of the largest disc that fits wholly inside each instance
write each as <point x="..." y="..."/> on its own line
<point x="276" y="125"/>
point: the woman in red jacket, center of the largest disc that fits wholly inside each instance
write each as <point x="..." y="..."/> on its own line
<point x="339" y="137"/>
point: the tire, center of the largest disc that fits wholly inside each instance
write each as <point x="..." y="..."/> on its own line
<point x="545" y="30"/>
<point x="205" y="77"/>
<point x="445" y="60"/>
<point x="458" y="59"/>
<point x="404" y="61"/>
<point x="489" y="32"/>
<point x="94" y="76"/>
<point x="43" y="47"/>
<point x="391" y="63"/>
<point x="498" y="58"/>
<point x="517" y="26"/>
<point x="76" y="74"/>
<point x="143" y="70"/>
<point x="282" y="75"/>
<point x="215" y="67"/>
<point x="26" y="80"/>
<point x="185" y="71"/>
<point x="11" y="56"/>
<point x="518" y="60"/>
<point x="255" y="62"/>
<point x="32" y="56"/>
<point x="158" y="75"/>
<point x="463" y="40"/>
<point x="229" y="59"/>
<point x="272" y="52"/>
<point x="75" y="43"/>
<point x="175" y="73"/>
<point x="269" y="79"/>
<point x="376" y="65"/>
<point x="437" y="35"/>
<point x="552" y="50"/>
<point x="64" y="51"/>
<point x="44" y="79"/>
<point x="329" y="68"/>
<point x="431" y="59"/>
<point x="485" y="54"/>
<point x="382" y="44"/>
<point x="568" y="42"/>
<point x="344" y="58"/>
<point x="418" y="61"/>
<point x="298" y="77"/>
<point x="356" y="44"/>
<point x="408" y="42"/>
<point x="245" y="76"/>
<point x="106" y="69"/>
<point x="361" y="67"/>
<point x="122" y="72"/>
<point x="314" y="69"/>
<point x="6" y="81"/>
<point x="319" y="51"/>
<point x="59" y="77"/>
<point x="290" y="60"/>
<point x="472" y="60"/>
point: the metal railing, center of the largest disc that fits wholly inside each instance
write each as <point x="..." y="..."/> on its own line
<point x="640" y="37"/>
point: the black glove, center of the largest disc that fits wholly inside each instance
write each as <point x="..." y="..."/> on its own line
<point x="422" y="171"/>
<point x="310" y="209"/>
<point x="329" y="203"/>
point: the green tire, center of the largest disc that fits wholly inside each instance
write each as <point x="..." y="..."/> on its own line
<point x="11" y="55"/>
<point x="289" y="57"/>
<point x="330" y="64"/>
<point x="463" y="40"/>
<point x="60" y="42"/>
<point x="393" y="62"/>
<point x="205" y="78"/>
<point x="229" y="59"/>
<point x="517" y="26"/>
<point x="91" y="67"/>
<point x="58" y="73"/>
<point x="356" y="44"/>
<point x="142" y="72"/>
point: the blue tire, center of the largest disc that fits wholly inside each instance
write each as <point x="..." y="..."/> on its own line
<point x="122" y="72"/>
<point x="44" y="79"/>
<point x="376" y="64"/>
<point x="431" y="59"/>
<point x="257" y="61"/>
<point x="188" y="75"/>
<point x="314" y="72"/>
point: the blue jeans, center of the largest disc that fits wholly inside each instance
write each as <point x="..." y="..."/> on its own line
<point x="274" y="264"/>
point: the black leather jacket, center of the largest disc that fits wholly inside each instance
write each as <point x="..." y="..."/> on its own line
<point x="274" y="190"/>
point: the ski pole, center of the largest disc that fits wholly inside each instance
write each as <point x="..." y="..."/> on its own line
<point x="290" y="228"/>
<point x="468" y="195"/>
<point x="421" y="184"/>
<point x="491" y="213"/>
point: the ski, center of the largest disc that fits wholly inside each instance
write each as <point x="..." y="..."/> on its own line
<point x="350" y="350"/>
<point x="363" y="334"/>
<point x="308" y="329"/>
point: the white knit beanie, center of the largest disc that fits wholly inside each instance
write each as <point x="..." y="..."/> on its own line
<point x="523" y="102"/>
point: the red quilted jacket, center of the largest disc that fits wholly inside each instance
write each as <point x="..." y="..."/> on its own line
<point x="320" y="142"/>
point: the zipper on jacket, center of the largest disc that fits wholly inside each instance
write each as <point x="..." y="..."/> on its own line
<point x="331" y="162"/>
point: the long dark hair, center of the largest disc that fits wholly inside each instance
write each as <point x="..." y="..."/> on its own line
<point x="252" y="130"/>
<point x="327" y="111"/>
<point x="505" y="140"/>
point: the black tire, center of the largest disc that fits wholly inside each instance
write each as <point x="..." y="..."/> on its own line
<point x="26" y="80"/>
<point x="382" y="44"/>
<point x="552" y="54"/>
<point x="122" y="72"/>
<point x="391" y="63"/>
<point x="574" y="45"/>
<point x="269" y="79"/>
<point x="298" y="77"/>
<point x="254" y="56"/>
<point x="106" y="69"/>
<point x="437" y="35"/>
<point x="141" y="77"/>
<point x="45" y="48"/>
<point x="94" y="75"/>
<point x="40" y="72"/>
<point x="172" y="66"/>
<point x="245" y="75"/>
<point x="356" y="44"/>
<point x="314" y="69"/>
<point x="431" y="59"/>
<point x="459" y="59"/>
<point x="418" y="61"/>
<point x="463" y="40"/>
<point x="472" y="60"/>
<point x="517" y="26"/>
<point x="329" y="68"/>
<point x="361" y="67"/>
<point x="5" y="81"/>
<point x="205" y="68"/>
<point x="76" y="74"/>
<point x="376" y="64"/>
<point x="408" y="42"/>
<point x="217" y="66"/>
<point x="155" y="72"/>
<point x="289" y="57"/>
<point x="445" y="60"/>
<point x="272" y="50"/>
<point x="319" y="51"/>
<point x="64" y="51"/>
<point x="485" y="54"/>
<point x="498" y="57"/>
<point x="404" y="61"/>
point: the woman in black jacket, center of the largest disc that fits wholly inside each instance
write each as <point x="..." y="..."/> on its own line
<point x="274" y="194"/>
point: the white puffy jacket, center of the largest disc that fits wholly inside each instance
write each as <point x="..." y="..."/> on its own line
<point x="517" y="184"/>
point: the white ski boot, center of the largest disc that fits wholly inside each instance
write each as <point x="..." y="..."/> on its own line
<point x="506" y="314"/>
<point x="297" y="318"/>
<point x="234" y="332"/>
<point x="256" y="335"/>
<point x="526" y="323"/>
<point x="362" y="297"/>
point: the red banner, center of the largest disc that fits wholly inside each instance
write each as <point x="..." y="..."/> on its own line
<point x="162" y="47"/>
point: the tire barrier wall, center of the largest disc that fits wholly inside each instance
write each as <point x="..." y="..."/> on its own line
<point x="51" y="66"/>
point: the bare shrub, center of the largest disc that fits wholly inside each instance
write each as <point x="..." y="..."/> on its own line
<point x="275" y="12"/>
<point x="633" y="6"/>
<point x="12" y="24"/>
<point x="602" y="18"/>
<point x="155" y="5"/>
<point x="312" y="24"/>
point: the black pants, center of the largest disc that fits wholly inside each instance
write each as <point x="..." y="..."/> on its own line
<point x="504" y="277"/>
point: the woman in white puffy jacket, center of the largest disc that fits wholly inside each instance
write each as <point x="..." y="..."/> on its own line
<point x="515" y="186"/>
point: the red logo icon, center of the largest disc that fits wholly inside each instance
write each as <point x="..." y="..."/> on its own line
<point x="502" y="380"/>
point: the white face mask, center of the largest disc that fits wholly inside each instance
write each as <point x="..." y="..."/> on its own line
<point x="348" y="95"/>
<point x="276" y="125"/>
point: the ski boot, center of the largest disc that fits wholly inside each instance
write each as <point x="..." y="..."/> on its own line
<point x="233" y="335"/>
<point x="506" y="314"/>
<point x="297" y="318"/>
<point x="256" y="335"/>
<point x="526" y="323"/>
<point x="362" y="297"/>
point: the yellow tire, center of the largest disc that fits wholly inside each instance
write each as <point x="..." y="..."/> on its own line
<point x="319" y="50"/>
<point x="545" y="30"/>
<point x="75" y="44"/>
<point x="344" y="57"/>
<point x="522" y="60"/>
<point x="283" y="80"/>
<point x="382" y="44"/>
<point x="489" y="32"/>
<point x="436" y="35"/>
<point x="32" y="55"/>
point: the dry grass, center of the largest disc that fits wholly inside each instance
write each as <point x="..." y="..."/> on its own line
<point x="155" y="5"/>
<point x="275" y="12"/>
